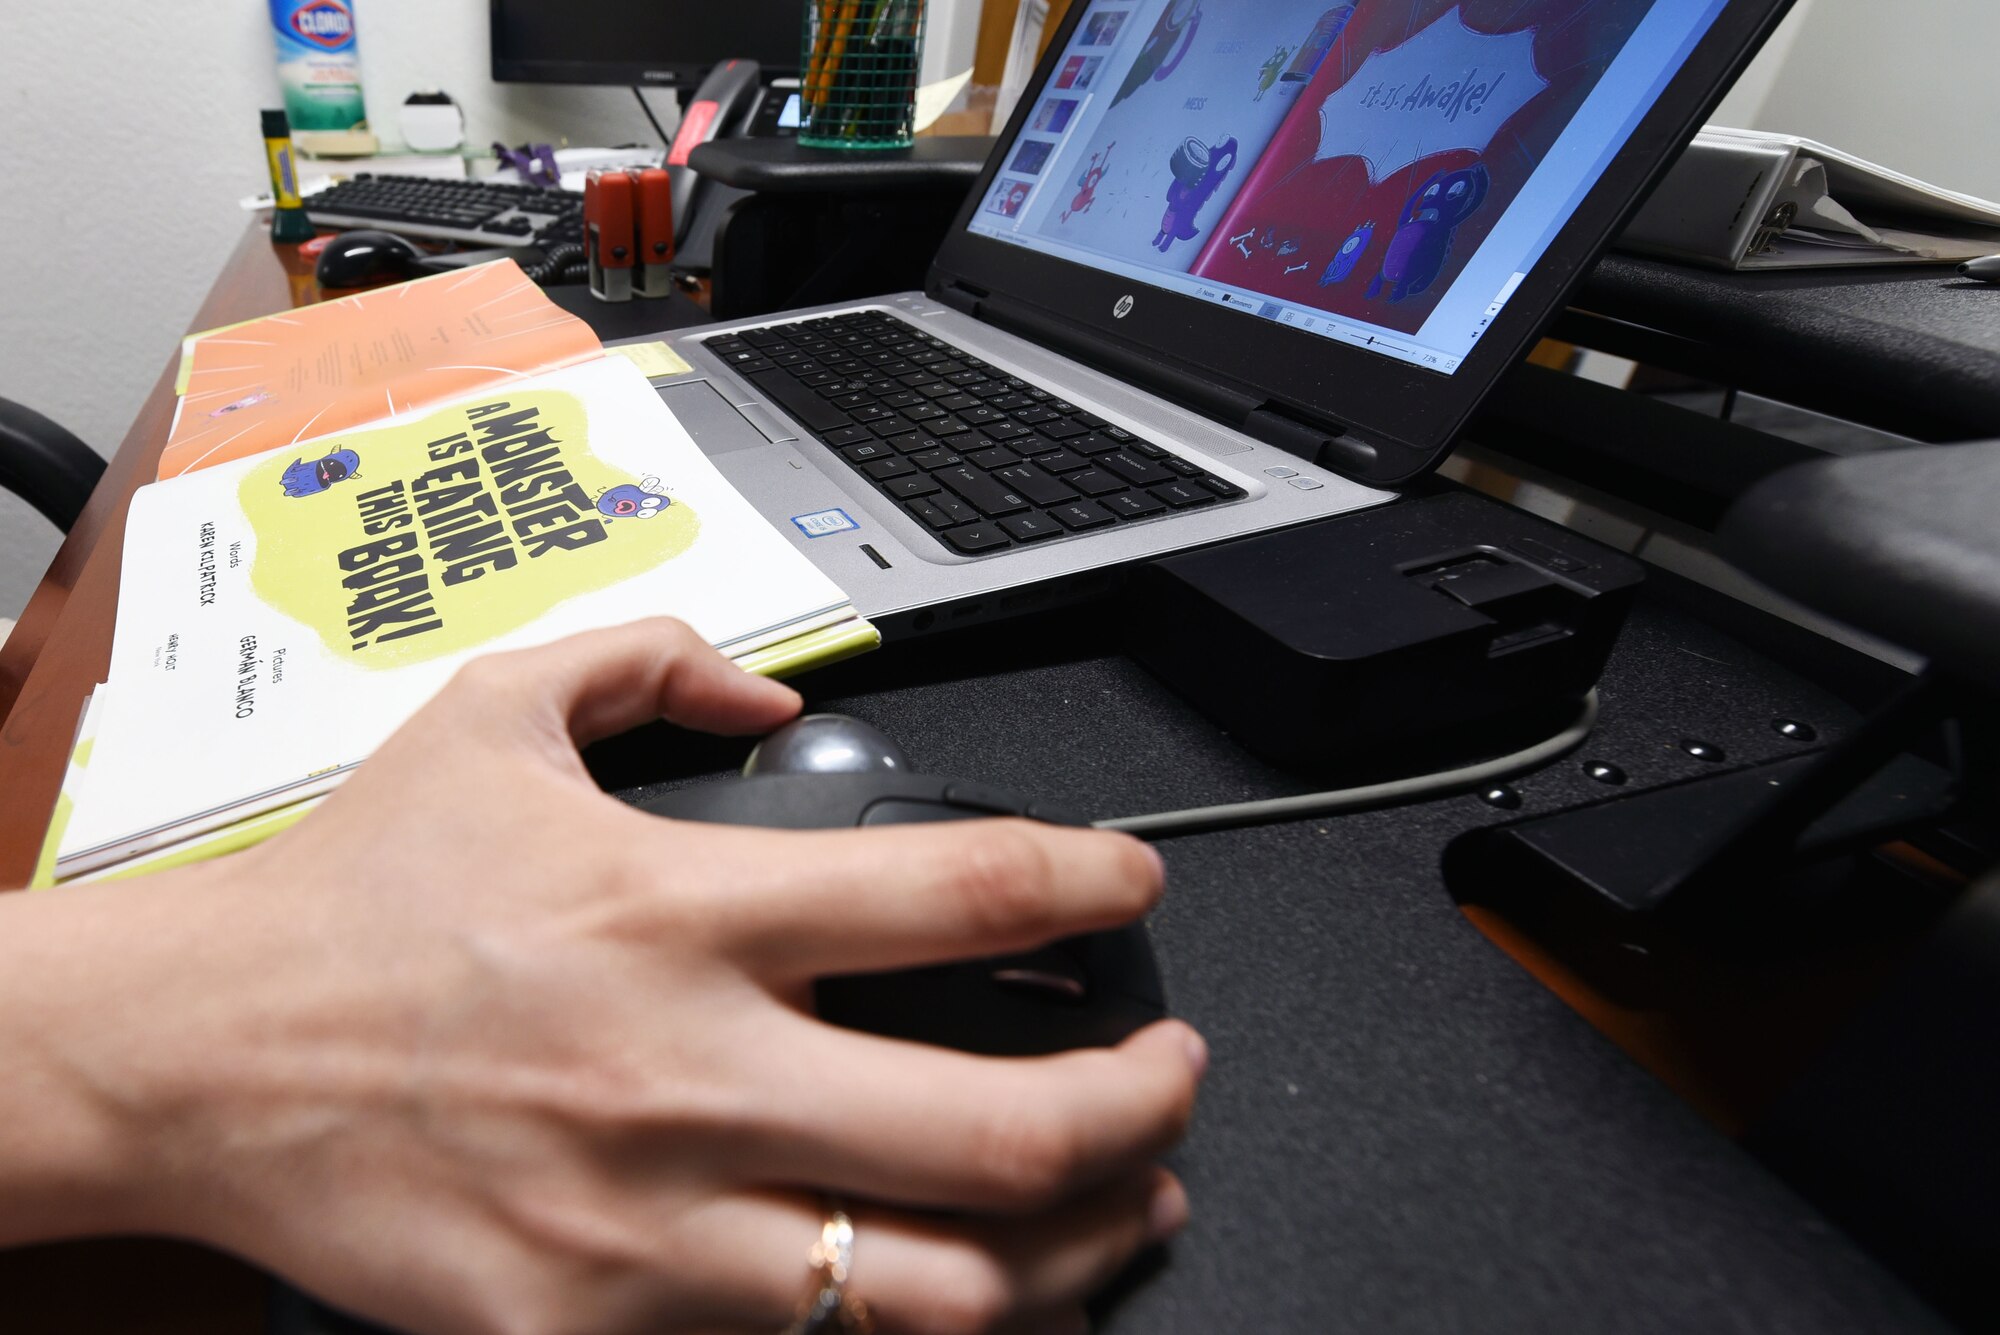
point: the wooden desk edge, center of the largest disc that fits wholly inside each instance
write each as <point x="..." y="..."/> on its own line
<point x="62" y="647"/>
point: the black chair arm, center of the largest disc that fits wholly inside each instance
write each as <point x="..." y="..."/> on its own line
<point x="1903" y="544"/>
<point x="45" y="465"/>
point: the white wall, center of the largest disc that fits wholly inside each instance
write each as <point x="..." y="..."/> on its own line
<point x="1911" y="85"/>
<point x="1746" y="100"/>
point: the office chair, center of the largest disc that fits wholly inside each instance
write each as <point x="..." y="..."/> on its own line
<point x="1891" y="1130"/>
<point x="1900" y="544"/>
<point x="45" y="465"/>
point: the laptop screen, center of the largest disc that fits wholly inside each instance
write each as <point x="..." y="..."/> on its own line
<point x="1381" y="172"/>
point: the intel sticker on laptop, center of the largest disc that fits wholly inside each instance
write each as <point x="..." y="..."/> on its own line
<point x="825" y="523"/>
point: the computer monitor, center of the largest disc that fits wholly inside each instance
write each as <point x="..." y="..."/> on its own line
<point x="660" y="43"/>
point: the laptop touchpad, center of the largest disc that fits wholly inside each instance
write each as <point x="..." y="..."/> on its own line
<point x="718" y="425"/>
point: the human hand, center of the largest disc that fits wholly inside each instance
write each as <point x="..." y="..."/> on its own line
<point x="478" y="1048"/>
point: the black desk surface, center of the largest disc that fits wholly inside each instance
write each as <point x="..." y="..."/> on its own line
<point x="1913" y="350"/>
<point x="1402" y="1130"/>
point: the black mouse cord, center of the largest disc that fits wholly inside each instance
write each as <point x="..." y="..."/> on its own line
<point x="1396" y="792"/>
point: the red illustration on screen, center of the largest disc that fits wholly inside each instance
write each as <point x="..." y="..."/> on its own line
<point x="1420" y="123"/>
<point x="1086" y="184"/>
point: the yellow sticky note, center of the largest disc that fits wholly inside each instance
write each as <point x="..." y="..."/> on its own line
<point x="654" y="360"/>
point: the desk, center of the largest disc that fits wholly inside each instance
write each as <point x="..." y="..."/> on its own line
<point x="1403" y="1129"/>
<point x="1913" y="350"/>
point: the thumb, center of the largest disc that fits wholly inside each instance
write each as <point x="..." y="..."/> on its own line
<point x="605" y="681"/>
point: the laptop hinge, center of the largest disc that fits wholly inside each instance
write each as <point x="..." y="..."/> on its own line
<point x="1336" y="448"/>
<point x="963" y="299"/>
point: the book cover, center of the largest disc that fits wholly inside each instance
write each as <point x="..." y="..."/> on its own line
<point x="281" y="615"/>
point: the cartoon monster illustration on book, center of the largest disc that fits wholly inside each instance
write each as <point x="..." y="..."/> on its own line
<point x="247" y="401"/>
<point x="1422" y="244"/>
<point x="310" y="479"/>
<point x="1198" y="173"/>
<point x="627" y="500"/>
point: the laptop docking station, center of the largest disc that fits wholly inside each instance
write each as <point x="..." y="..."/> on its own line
<point x="1433" y="631"/>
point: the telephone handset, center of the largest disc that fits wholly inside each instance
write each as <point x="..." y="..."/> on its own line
<point x="724" y="98"/>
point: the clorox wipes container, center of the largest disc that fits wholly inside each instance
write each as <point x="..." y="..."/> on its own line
<point x="318" y="66"/>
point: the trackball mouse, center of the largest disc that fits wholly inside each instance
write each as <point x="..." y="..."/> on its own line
<point x="826" y="772"/>
<point x="356" y="257"/>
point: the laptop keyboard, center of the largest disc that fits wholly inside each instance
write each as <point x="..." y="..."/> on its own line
<point x="982" y="459"/>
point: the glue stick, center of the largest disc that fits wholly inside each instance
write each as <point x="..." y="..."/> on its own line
<point x="288" y="214"/>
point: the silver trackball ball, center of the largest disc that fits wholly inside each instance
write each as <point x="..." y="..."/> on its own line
<point x="826" y="744"/>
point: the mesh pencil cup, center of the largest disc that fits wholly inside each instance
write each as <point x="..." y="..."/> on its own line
<point x="860" y="62"/>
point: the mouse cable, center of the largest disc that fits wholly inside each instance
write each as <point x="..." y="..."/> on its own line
<point x="1200" y="820"/>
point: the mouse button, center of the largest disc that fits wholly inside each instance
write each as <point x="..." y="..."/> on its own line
<point x="1121" y="961"/>
<point x="1056" y="972"/>
<point x="908" y="811"/>
<point x="982" y="798"/>
<point x="1044" y="983"/>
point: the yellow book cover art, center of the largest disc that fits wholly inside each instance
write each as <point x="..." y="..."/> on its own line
<point x="411" y="542"/>
<point x="281" y="615"/>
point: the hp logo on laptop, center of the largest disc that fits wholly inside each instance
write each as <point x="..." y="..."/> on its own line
<point x="1123" y="308"/>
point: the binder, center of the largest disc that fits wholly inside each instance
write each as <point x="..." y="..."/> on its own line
<point x="1750" y="200"/>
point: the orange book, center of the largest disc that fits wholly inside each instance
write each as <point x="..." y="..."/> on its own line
<point x="274" y="382"/>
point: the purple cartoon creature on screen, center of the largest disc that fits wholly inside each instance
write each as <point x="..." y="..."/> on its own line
<point x="1422" y="244"/>
<point x="1199" y="172"/>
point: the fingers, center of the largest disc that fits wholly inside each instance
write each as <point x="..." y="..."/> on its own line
<point x="928" y="1128"/>
<point x="605" y="681"/>
<point x="860" y="901"/>
<point x="1006" y="1276"/>
<point x="934" y="1275"/>
<point x="1075" y="1252"/>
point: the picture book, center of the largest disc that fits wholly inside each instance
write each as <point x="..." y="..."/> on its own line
<point x="274" y="382"/>
<point x="281" y="614"/>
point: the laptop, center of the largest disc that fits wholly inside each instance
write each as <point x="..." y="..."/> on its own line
<point x="1233" y="266"/>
